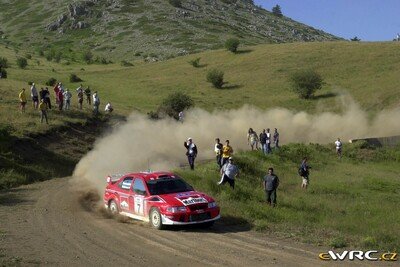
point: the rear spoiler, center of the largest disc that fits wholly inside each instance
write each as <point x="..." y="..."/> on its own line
<point x="113" y="178"/>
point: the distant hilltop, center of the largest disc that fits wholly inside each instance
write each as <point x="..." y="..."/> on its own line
<point x="154" y="29"/>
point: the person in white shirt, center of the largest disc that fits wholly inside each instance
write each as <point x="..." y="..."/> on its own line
<point x="191" y="152"/>
<point x="108" y="108"/>
<point x="35" y="96"/>
<point x="338" y="145"/>
<point x="181" y="116"/>
<point x="67" y="98"/>
<point x="96" y="103"/>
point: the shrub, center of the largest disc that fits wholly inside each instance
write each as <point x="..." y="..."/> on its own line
<point x="28" y="56"/>
<point x="125" y="63"/>
<point x="276" y="10"/>
<point x="88" y="57"/>
<point x="232" y="44"/>
<point x="306" y="82"/>
<point x="195" y="62"/>
<point x="22" y="62"/>
<point x="30" y="83"/>
<point x="41" y="52"/>
<point x="57" y="56"/>
<point x="3" y="73"/>
<point x="51" y="82"/>
<point x="3" y="63"/>
<point x="175" y="3"/>
<point x="73" y="78"/>
<point x="175" y="103"/>
<point x="216" y="77"/>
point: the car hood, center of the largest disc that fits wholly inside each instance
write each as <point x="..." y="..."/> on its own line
<point x="186" y="198"/>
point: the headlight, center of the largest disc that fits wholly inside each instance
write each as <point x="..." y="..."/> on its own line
<point x="212" y="205"/>
<point x="176" y="209"/>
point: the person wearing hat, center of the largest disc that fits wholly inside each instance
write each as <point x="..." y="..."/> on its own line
<point x="228" y="173"/>
<point x="191" y="152"/>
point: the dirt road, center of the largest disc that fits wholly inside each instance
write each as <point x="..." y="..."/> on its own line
<point x="44" y="224"/>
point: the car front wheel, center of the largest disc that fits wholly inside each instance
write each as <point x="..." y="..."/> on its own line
<point x="113" y="207"/>
<point x="155" y="219"/>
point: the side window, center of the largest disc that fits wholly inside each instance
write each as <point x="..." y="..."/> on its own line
<point x="126" y="183"/>
<point x="138" y="187"/>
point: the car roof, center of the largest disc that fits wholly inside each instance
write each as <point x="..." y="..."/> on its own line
<point x="151" y="175"/>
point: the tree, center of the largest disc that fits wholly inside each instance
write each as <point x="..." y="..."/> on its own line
<point x="306" y="82"/>
<point x="22" y="62"/>
<point x="175" y="103"/>
<point x="276" y="10"/>
<point x="355" y="39"/>
<point x="216" y="77"/>
<point x="232" y="44"/>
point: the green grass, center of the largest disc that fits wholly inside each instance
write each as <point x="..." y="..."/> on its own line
<point x="350" y="202"/>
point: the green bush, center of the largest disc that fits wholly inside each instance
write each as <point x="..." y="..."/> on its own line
<point x="3" y="63"/>
<point x="175" y="3"/>
<point x="125" y="63"/>
<point x="22" y="62"/>
<point x="306" y="82"/>
<point x="175" y="103"/>
<point x="73" y="78"/>
<point x="3" y="73"/>
<point x="195" y="62"/>
<point x="57" y="56"/>
<point x="88" y="57"/>
<point x="28" y="56"/>
<point x="232" y="44"/>
<point x="216" y="78"/>
<point x="51" y="82"/>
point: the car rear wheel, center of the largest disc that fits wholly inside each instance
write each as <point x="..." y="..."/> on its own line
<point x="155" y="219"/>
<point x="113" y="207"/>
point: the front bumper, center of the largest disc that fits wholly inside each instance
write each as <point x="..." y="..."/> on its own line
<point x="168" y="221"/>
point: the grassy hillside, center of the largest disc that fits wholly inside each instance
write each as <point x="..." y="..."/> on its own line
<point x="352" y="202"/>
<point x="126" y="29"/>
<point x="257" y="76"/>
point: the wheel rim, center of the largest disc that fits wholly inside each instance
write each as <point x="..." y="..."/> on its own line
<point x="113" y="208"/>
<point x="155" y="218"/>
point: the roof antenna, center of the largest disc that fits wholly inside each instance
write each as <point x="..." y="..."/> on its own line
<point x="148" y="165"/>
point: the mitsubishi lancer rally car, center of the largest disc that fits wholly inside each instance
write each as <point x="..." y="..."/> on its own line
<point x="161" y="198"/>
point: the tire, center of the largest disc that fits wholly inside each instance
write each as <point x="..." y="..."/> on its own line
<point x="113" y="207"/>
<point x="155" y="219"/>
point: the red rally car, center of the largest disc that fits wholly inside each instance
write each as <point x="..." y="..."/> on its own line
<point x="162" y="198"/>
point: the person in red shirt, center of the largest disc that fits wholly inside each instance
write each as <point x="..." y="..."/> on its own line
<point x="60" y="99"/>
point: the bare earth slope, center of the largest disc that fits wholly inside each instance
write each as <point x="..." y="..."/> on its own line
<point x="44" y="223"/>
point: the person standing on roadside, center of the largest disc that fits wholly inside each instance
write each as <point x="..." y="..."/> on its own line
<point x="252" y="139"/>
<point x="218" y="152"/>
<point x="227" y="152"/>
<point x="304" y="172"/>
<point x="271" y="183"/>
<point x="67" y="97"/>
<point x="229" y="172"/>
<point x="181" y="116"/>
<point x="276" y="138"/>
<point x="263" y="141"/>
<point x="191" y="152"/>
<point x="34" y="96"/>
<point x="22" y="100"/>
<point x="268" y="142"/>
<point x="43" y="111"/>
<point x="60" y="99"/>
<point x="96" y="103"/>
<point x="88" y="95"/>
<point x="47" y="97"/>
<point x="79" y="92"/>
<point x="338" y="145"/>
<point x="56" y="89"/>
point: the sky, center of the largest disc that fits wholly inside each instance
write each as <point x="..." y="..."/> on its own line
<point x="369" y="20"/>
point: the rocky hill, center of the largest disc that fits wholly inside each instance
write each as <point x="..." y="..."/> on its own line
<point x="152" y="29"/>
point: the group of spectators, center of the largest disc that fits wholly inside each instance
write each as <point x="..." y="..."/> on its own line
<point x="263" y="141"/>
<point x="41" y="99"/>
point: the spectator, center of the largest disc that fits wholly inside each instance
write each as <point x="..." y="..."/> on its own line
<point x="35" y="96"/>
<point x="218" y="152"/>
<point x="67" y="97"/>
<point x="191" y="152"/>
<point x="42" y="94"/>
<point x="80" y="96"/>
<point x="229" y="172"/>
<point x="304" y="173"/>
<point x="46" y="94"/>
<point x="268" y="141"/>
<point x="338" y="145"/>
<point x="56" y="89"/>
<point x="271" y="183"/>
<point x="227" y="152"/>
<point x="22" y="100"/>
<point x="60" y="99"/>
<point x="88" y="96"/>
<point x="96" y="103"/>
<point x="181" y="116"/>
<point x="276" y="138"/>
<point x="108" y="108"/>
<point x="43" y="111"/>
<point x="252" y="139"/>
<point x="263" y="141"/>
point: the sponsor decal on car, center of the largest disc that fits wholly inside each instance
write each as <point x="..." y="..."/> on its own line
<point x="124" y="205"/>
<point x="193" y="200"/>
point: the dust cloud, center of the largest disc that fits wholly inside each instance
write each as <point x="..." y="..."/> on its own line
<point x="141" y="144"/>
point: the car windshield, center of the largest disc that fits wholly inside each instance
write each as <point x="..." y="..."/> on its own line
<point x="168" y="185"/>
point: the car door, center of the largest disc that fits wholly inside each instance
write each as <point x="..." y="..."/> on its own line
<point x="139" y="194"/>
<point x="124" y="192"/>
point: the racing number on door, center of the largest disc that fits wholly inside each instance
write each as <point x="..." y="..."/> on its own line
<point x="139" y="201"/>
